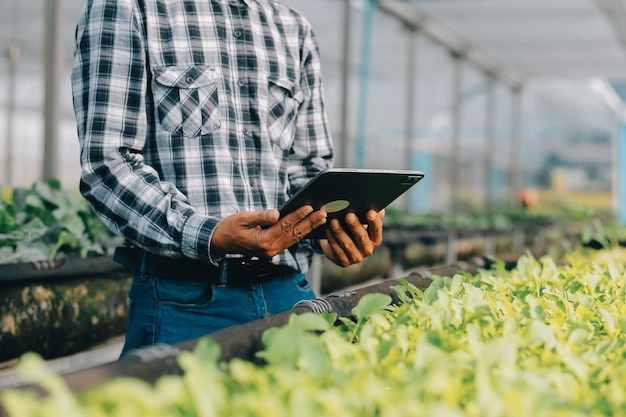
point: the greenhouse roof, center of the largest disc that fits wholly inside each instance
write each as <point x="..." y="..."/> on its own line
<point x="528" y="38"/>
<point x="531" y="38"/>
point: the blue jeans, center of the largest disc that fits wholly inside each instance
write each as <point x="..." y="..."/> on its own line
<point x="171" y="311"/>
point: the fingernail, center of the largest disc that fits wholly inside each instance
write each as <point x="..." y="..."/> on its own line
<point x="351" y="218"/>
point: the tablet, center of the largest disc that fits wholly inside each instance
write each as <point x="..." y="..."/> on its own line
<point x="343" y="190"/>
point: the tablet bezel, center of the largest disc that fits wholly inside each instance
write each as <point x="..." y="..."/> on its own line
<point x="364" y="189"/>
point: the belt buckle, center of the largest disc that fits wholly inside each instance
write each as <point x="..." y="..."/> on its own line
<point x="222" y="279"/>
<point x="246" y="268"/>
<point x="256" y="270"/>
<point x="246" y="262"/>
<point x="264" y="272"/>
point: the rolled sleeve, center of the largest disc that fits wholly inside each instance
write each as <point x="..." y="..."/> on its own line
<point x="196" y="238"/>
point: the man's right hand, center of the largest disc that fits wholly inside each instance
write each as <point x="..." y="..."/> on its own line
<point x="264" y="233"/>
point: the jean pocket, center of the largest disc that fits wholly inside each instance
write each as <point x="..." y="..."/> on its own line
<point x="301" y="282"/>
<point x="187" y="100"/>
<point x="183" y="294"/>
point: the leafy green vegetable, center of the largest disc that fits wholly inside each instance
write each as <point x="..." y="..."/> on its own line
<point x="48" y="222"/>
<point x="296" y="345"/>
<point x="544" y="339"/>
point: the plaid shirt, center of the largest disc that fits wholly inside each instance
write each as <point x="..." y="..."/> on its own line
<point x="191" y="110"/>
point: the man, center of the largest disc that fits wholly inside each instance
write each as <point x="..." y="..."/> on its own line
<point x="196" y="120"/>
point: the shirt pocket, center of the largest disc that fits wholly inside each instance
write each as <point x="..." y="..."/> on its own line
<point x="186" y="99"/>
<point x="285" y="98"/>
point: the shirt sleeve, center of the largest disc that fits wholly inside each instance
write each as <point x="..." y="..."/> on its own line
<point x="111" y="96"/>
<point x="312" y="150"/>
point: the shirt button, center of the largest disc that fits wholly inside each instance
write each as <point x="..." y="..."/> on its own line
<point x="246" y="131"/>
<point x="237" y="33"/>
<point x="189" y="79"/>
<point x="241" y="83"/>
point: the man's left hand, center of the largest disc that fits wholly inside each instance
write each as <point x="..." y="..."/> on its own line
<point x="349" y="245"/>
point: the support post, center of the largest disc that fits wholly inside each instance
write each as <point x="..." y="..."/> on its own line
<point x="490" y="153"/>
<point x="14" y="57"/>
<point x="52" y="58"/>
<point x="420" y="198"/>
<point x="516" y="178"/>
<point x="366" y="51"/>
<point x="342" y="158"/>
<point x="455" y="146"/>
<point x="314" y="275"/>
<point x="615" y="168"/>
<point x="621" y="214"/>
<point x="452" y="248"/>
<point x="411" y="89"/>
<point x="411" y="104"/>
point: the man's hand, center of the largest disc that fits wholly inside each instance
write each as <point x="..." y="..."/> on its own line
<point x="262" y="233"/>
<point x="351" y="245"/>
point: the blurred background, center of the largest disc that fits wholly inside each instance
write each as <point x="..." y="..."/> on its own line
<point x="488" y="97"/>
<point x="504" y="104"/>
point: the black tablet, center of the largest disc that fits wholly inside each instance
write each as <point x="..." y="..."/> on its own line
<point x="343" y="190"/>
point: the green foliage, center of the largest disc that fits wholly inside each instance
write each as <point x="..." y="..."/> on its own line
<point x="497" y="217"/>
<point x="545" y="339"/>
<point x="49" y="222"/>
<point x="604" y="233"/>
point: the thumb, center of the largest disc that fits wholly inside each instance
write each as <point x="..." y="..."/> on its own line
<point x="268" y="217"/>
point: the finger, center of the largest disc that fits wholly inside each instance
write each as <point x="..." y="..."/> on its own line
<point x="291" y="227"/>
<point x="360" y="237"/>
<point x="252" y="220"/>
<point x="306" y="225"/>
<point x="338" y="254"/>
<point x="375" y="227"/>
<point x="290" y="220"/>
<point x="345" y="240"/>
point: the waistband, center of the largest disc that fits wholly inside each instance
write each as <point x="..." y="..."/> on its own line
<point x="232" y="271"/>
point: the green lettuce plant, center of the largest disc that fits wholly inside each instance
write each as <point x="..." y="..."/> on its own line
<point x="544" y="339"/>
<point x="50" y="222"/>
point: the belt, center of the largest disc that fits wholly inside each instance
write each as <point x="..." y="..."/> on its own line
<point x="232" y="271"/>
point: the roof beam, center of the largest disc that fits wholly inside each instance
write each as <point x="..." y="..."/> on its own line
<point x="615" y="11"/>
<point x="417" y="19"/>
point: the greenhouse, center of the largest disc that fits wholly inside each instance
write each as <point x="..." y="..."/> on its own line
<point x="496" y="288"/>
